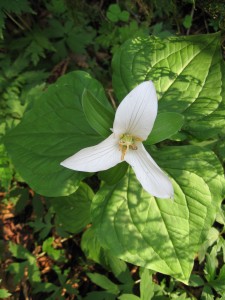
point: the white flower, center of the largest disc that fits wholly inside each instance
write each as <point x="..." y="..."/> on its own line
<point x="133" y="123"/>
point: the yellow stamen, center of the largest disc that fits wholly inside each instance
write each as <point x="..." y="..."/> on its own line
<point x="126" y="142"/>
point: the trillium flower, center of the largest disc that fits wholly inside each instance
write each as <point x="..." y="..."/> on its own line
<point x="133" y="123"/>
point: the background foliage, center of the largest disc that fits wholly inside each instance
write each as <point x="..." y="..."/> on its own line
<point x="47" y="247"/>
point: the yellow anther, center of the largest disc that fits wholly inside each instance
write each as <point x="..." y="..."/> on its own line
<point x="126" y="142"/>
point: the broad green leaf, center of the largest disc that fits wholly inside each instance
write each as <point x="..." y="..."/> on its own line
<point x="98" y="116"/>
<point x="114" y="174"/>
<point x="188" y="74"/>
<point x="166" y="125"/>
<point x="200" y="161"/>
<point x="213" y="121"/>
<point x="73" y="212"/>
<point x="54" y="129"/>
<point x="104" y="282"/>
<point x="159" y="234"/>
<point x="146" y="286"/>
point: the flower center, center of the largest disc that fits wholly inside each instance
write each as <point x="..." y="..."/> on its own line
<point x="127" y="141"/>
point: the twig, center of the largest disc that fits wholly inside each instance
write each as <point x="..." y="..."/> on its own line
<point x="14" y="20"/>
<point x="111" y="98"/>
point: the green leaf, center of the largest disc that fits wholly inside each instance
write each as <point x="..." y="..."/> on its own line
<point x="211" y="265"/>
<point x="38" y="43"/>
<point x="17" y="269"/>
<point x="114" y="174"/>
<point x="128" y="297"/>
<point x="29" y="264"/>
<point x="104" y="282"/>
<point x="221" y="148"/>
<point x="121" y="272"/>
<point x="99" y="117"/>
<point x="56" y="254"/>
<point x="38" y="206"/>
<point x="207" y="293"/>
<point x="133" y="224"/>
<point x="113" y="13"/>
<point x="92" y="248"/>
<point x="43" y="227"/>
<point x="101" y="295"/>
<point x="166" y="125"/>
<point x="146" y="286"/>
<point x="22" y="196"/>
<point x="187" y="22"/>
<point x="73" y="212"/>
<point x="52" y="130"/>
<point x="23" y="6"/>
<point x="48" y="287"/>
<point x="219" y="283"/>
<point x="6" y="172"/>
<point x="196" y="281"/>
<point x="124" y="16"/>
<point x="20" y="252"/>
<point x="214" y="120"/>
<point x="188" y="74"/>
<point x="56" y="7"/>
<point x="200" y="161"/>
<point x="211" y="238"/>
<point x="4" y="294"/>
<point x="79" y="38"/>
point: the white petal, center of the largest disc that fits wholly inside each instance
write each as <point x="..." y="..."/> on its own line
<point x="151" y="177"/>
<point x="97" y="158"/>
<point x="137" y="112"/>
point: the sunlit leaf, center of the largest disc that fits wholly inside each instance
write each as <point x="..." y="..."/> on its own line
<point x="162" y="235"/>
<point x="187" y="71"/>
